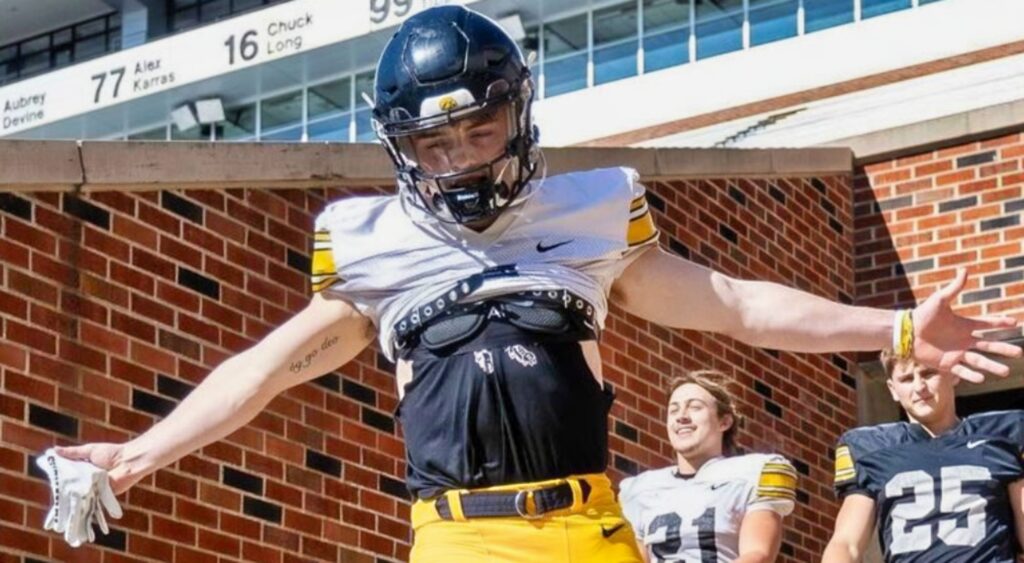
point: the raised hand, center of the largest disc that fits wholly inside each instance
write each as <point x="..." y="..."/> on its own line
<point x="953" y="344"/>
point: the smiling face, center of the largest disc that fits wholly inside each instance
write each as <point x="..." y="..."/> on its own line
<point x="927" y="396"/>
<point x="695" y="426"/>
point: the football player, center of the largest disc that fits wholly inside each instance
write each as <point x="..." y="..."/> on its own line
<point x="488" y="284"/>
<point x="940" y="488"/>
<point x="712" y="505"/>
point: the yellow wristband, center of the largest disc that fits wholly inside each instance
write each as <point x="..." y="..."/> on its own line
<point x="906" y="349"/>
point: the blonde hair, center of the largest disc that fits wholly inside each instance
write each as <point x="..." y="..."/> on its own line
<point x="890" y="361"/>
<point x="717" y="385"/>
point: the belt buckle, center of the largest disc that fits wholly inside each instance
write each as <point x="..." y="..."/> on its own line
<point x="521" y="508"/>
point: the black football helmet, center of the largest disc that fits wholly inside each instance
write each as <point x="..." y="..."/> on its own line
<point x="443" y="65"/>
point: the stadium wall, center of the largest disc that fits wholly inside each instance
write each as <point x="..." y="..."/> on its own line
<point x="127" y="271"/>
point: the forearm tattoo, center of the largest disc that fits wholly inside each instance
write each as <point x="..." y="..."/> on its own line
<point x="301" y="364"/>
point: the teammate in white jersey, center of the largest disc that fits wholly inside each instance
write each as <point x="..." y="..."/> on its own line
<point x="711" y="506"/>
<point x="489" y="284"/>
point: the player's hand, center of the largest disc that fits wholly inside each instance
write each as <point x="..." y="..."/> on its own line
<point x="80" y="494"/>
<point x="951" y="343"/>
<point x="106" y="456"/>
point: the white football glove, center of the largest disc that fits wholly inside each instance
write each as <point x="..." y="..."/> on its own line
<point x="81" y="492"/>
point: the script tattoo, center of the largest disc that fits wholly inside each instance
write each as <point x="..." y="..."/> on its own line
<point x="297" y="366"/>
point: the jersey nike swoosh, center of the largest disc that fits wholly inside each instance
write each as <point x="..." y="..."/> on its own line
<point x="607" y="532"/>
<point x="542" y="248"/>
<point x="975" y="443"/>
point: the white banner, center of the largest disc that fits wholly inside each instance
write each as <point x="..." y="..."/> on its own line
<point x="240" y="42"/>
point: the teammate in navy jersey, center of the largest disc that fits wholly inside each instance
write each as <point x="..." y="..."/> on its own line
<point x="489" y="284"/>
<point x="941" y="489"/>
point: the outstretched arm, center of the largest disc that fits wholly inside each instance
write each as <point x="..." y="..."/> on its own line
<point x="853" y="530"/>
<point x="668" y="290"/>
<point x="320" y="338"/>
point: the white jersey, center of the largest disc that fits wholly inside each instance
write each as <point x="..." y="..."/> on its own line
<point x="697" y="519"/>
<point x="574" y="231"/>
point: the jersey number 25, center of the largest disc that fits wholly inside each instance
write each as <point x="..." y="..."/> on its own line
<point x="953" y="500"/>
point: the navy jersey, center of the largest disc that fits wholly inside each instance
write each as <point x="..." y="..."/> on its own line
<point x="938" y="499"/>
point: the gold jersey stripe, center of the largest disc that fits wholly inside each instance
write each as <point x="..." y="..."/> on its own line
<point x="637" y="203"/>
<point x="320" y="283"/>
<point x="323" y="263"/>
<point x="641" y="230"/>
<point x="322" y="236"/>
<point x="788" y="495"/>
<point x="844" y="462"/>
<point x="776" y="480"/>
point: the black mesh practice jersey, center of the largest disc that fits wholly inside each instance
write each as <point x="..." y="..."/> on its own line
<point x="938" y="499"/>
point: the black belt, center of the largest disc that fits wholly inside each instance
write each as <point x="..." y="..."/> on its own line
<point x="493" y="504"/>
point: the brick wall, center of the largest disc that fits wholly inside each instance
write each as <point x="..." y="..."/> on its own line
<point x="114" y="305"/>
<point x="922" y="215"/>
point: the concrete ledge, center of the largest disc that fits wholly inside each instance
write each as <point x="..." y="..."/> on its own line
<point x="95" y="166"/>
<point x="942" y="131"/>
<point x="39" y="165"/>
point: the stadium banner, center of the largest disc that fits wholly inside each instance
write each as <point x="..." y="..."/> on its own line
<point x="212" y="50"/>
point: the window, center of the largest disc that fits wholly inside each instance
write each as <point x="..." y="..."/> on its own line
<point x="615" y="43"/>
<point x="330" y="110"/>
<point x="565" y="55"/>
<point x="719" y="27"/>
<point x="771" y="20"/>
<point x="60" y="47"/>
<point x="823" y="14"/>
<point x="364" y="124"/>
<point x="666" y="34"/>
<point x="156" y="134"/>
<point x="872" y="8"/>
<point x="281" y="118"/>
<point x="239" y="124"/>
<point x="186" y="14"/>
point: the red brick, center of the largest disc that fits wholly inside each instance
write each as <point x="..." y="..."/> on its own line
<point x="150" y="547"/>
<point x="220" y="543"/>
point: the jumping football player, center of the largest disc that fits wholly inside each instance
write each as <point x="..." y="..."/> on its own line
<point x="940" y="488"/>
<point x="711" y="506"/>
<point x="489" y="283"/>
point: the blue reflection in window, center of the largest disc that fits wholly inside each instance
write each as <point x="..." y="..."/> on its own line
<point x="719" y="28"/>
<point x="872" y="8"/>
<point x="565" y="75"/>
<point x="771" y="20"/>
<point x="615" y="62"/>
<point x="289" y="134"/>
<point x="667" y="48"/>
<point x="330" y="128"/>
<point x="823" y="14"/>
<point x="364" y="126"/>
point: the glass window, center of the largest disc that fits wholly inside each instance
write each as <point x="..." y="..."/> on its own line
<point x="35" y="45"/>
<point x="823" y="14"/>
<point x="241" y="5"/>
<point x="615" y="42"/>
<point x="89" y="28"/>
<point x="565" y="56"/>
<point x="62" y="37"/>
<point x="872" y="8"/>
<point x="281" y="118"/>
<point x="197" y="133"/>
<point x="185" y="18"/>
<point x="156" y="134"/>
<point x="211" y="11"/>
<point x="87" y="48"/>
<point x="364" y="125"/>
<point x="35" y="63"/>
<point x="719" y="27"/>
<point x="239" y="124"/>
<point x="666" y="34"/>
<point x="771" y="20"/>
<point x="330" y="108"/>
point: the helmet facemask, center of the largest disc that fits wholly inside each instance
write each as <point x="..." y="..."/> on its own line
<point x="467" y="161"/>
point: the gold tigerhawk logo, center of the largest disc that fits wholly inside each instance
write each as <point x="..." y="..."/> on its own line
<point x="447" y="103"/>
